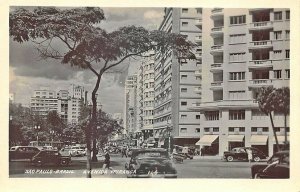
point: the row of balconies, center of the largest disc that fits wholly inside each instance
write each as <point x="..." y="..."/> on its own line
<point x="253" y="83"/>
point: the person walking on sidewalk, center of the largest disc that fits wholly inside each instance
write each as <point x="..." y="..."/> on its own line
<point x="106" y="164"/>
<point x="249" y="153"/>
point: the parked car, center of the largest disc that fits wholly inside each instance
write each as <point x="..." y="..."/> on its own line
<point x="240" y="153"/>
<point x="147" y="163"/>
<point x="22" y="152"/>
<point x="77" y="151"/>
<point x="50" y="157"/>
<point x="277" y="167"/>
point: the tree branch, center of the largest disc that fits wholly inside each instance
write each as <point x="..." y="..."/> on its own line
<point x="127" y="56"/>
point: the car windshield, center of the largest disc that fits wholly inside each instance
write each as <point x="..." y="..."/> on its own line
<point x="146" y="154"/>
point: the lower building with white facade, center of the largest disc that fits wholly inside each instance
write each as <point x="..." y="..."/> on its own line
<point x="245" y="49"/>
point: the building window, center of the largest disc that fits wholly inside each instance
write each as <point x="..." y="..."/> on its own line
<point x="211" y="115"/>
<point x="216" y="129"/>
<point x="277" y="129"/>
<point x="265" y="129"/>
<point x="277" y="74"/>
<point x="197" y="130"/>
<point x="287" y="15"/>
<point x="277" y="16"/>
<point x="287" y="73"/>
<point x="236" y="95"/>
<point x="183" y="76"/>
<point x="277" y="54"/>
<point x="233" y="57"/>
<point x="287" y="54"/>
<point x="183" y="90"/>
<point x="183" y="130"/>
<point x="237" y="19"/>
<point x="184" y="24"/>
<point x="206" y="129"/>
<point x="236" y="75"/>
<point x="287" y="34"/>
<point x="236" y="114"/>
<point x="237" y="38"/>
<point x="231" y="129"/>
<point x="253" y="129"/>
<point x="277" y="34"/>
<point x="183" y="103"/>
<point x="199" y="11"/>
<point x="183" y="116"/>
<point x="197" y="116"/>
<point x="185" y="10"/>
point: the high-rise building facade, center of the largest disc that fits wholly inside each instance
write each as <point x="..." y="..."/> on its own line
<point x="146" y="96"/>
<point x="43" y="101"/>
<point x="177" y="84"/>
<point x="245" y="49"/>
<point x="130" y="111"/>
<point x="67" y="105"/>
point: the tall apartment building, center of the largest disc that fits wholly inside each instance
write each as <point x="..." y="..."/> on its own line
<point x="146" y="96"/>
<point x="245" y="49"/>
<point x="43" y="101"/>
<point x="130" y="111"/>
<point x="177" y="84"/>
<point x="67" y="105"/>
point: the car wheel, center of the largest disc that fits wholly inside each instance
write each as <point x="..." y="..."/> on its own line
<point x="256" y="159"/>
<point x="229" y="158"/>
<point x="63" y="162"/>
<point x="256" y="176"/>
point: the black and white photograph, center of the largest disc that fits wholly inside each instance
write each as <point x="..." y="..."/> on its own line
<point x="149" y="92"/>
<point x="162" y="93"/>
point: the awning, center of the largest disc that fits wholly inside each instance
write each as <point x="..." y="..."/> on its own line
<point x="259" y="139"/>
<point x="207" y="140"/>
<point x="235" y="138"/>
<point x="281" y="139"/>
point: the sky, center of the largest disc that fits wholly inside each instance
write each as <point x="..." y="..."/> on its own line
<point x="28" y="72"/>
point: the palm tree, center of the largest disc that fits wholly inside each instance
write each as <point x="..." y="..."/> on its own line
<point x="267" y="103"/>
<point x="283" y="99"/>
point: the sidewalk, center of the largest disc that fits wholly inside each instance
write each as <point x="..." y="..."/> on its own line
<point x="208" y="157"/>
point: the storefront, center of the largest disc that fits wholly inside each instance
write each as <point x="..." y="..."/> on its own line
<point x="260" y="142"/>
<point x="235" y="141"/>
<point x="209" y="144"/>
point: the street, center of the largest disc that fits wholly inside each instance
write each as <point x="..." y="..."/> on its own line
<point x="207" y="167"/>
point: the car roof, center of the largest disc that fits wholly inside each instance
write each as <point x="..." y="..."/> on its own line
<point x="151" y="150"/>
<point x="283" y="152"/>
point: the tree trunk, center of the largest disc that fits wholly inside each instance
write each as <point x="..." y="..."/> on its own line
<point x="274" y="132"/>
<point x="88" y="152"/>
<point x="94" y="117"/>
<point x="285" y="133"/>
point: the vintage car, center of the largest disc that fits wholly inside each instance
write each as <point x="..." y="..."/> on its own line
<point x="277" y="167"/>
<point x="50" y="157"/>
<point x="22" y="152"/>
<point x="150" y="163"/>
<point x="240" y="153"/>
<point x="77" y="151"/>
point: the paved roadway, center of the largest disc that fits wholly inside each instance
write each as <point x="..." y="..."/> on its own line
<point x="196" y="168"/>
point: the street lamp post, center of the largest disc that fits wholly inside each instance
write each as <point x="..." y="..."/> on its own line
<point x="37" y="128"/>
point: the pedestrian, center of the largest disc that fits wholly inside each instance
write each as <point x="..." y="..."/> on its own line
<point x="249" y="153"/>
<point x="106" y="164"/>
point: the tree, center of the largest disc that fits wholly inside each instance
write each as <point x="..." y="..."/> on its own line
<point x="283" y="106"/>
<point x="268" y="102"/>
<point x="54" y="122"/>
<point x="87" y="46"/>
